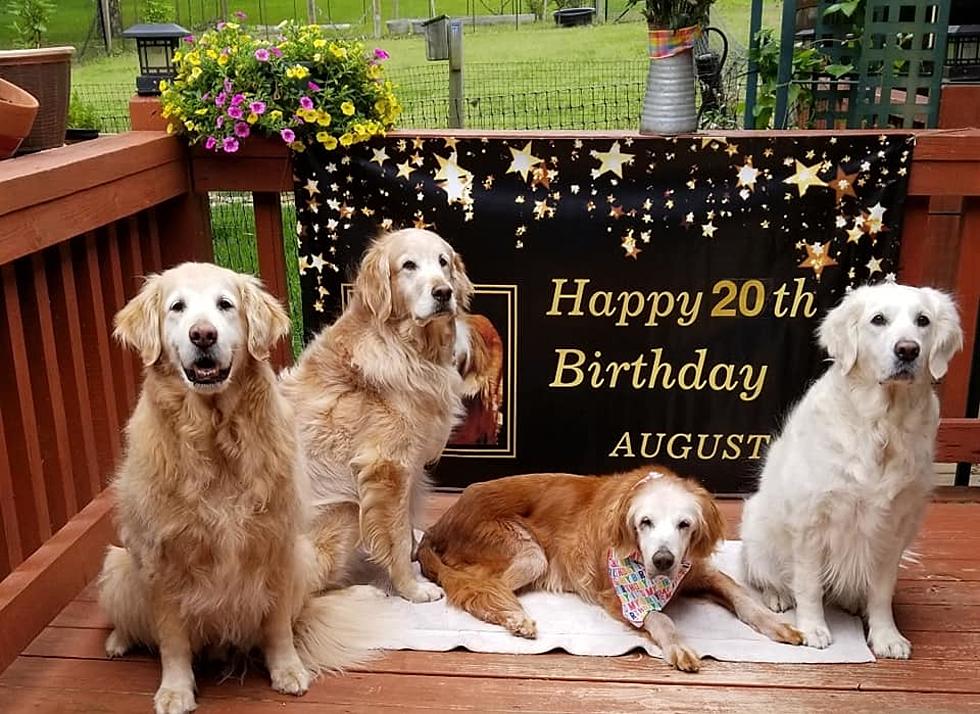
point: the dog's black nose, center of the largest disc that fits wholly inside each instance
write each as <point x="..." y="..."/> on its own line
<point x="203" y="334"/>
<point x="663" y="560"/>
<point x="906" y="350"/>
<point x="442" y="293"/>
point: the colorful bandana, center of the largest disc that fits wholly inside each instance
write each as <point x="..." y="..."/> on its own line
<point x="667" y="43"/>
<point x="639" y="594"/>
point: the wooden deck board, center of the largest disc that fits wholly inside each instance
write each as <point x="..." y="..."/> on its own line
<point x="937" y="604"/>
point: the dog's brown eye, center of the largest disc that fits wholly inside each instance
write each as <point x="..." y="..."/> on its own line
<point x="684" y="525"/>
<point x="922" y="321"/>
<point x="409" y="265"/>
<point x="645" y="522"/>
<point x="878" y="319"/>
<point x="442" y="261"/>
<point x="224" y="304"/>
<point x="178" y="306"/>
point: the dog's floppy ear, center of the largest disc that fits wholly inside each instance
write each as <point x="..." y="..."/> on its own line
<point x="462" y="287"/>
<point x="838" y="333"/>
<point x="947" y="334"/>
<point x="138" y="323"/>
<point x="623" y="536"/>
<point x="373" y="283"/>
<point x="709" y="529"/>
<point x="265" y="319"/>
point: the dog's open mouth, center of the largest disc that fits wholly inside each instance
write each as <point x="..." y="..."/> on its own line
<point x="902" y="374"/>
<point x="206" y="371"/>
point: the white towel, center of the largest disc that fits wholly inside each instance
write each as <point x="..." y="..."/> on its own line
<point x="567" y="623"/>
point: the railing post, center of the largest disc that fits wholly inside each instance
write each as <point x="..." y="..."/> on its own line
<point x="272" y="258"/>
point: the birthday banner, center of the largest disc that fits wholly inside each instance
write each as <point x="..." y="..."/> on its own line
<point x="644" y="299"/>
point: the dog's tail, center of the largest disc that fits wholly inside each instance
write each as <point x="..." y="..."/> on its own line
<point x="343" y="628"/>
<point x="476" y="593"/>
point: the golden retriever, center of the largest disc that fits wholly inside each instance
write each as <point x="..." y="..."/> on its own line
<point x="212" y="498"/>
<point x="562" y="532"/>
<point x="845" y="485"/>
<point x="482" y="367"/>
<point x="376" y="395"/>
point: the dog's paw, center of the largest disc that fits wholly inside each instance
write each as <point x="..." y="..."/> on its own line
<point x="522" y="626"/>
<point x="816" y="636"/>
<point x="174" y="701"/>
<point x="422" y="591"/>
<point x="290" y="679"/>
<point x="784" y="632"/>
<point x="116" y="644"/>
<point x="889" y="644"/>
<point x="777" y="601"/>
<point x="682" y="657"/>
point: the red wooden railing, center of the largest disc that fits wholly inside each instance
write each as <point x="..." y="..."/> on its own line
<point x="79" y="226"/>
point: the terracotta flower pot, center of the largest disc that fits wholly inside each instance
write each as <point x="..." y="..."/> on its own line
<point x="45" y="73"/>
<point x="17" y="112"/>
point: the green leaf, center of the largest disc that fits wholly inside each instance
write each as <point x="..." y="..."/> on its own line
<point x="838" y="70"/>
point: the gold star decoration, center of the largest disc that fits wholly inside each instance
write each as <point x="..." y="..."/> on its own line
<point x="616" y="212"/>
<point x="346" y="211"/>
<point x="419" y="221"/>
<point x="629" y="245"/>
<point x="453" y="179"/>
<point x="404" y="170"/>
<point x="380" y="156"/>
<point x="873" y="266"/>
<point x="522" y="161"/>
<point x="611" y="161"/>
<point x="317" y="262"/>
<point x="713" y="141"/>
<point x="747" y="174"/>
<point x="417" y="143"/>
<point x="543" y="176"/>
<point x="450" y="142"/>
<point x="818" y="258"/>
<point x="732" y="149"/>
<point x="417" y="159"/>
<point x="386" y="224"/>
<point x="304" y="264"/>
<point x="312" y="187"/>
<point x="854" y="235"/>
<point x="542" y="209"/>
<point x="805" y="177"/>
<point x="708" y="229"/>
<point x="843" y="184"/>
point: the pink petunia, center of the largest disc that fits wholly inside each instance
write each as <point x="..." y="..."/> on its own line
<point x="220" y="26"/>
<point x="306" y="102"/>
<point x="380" y="54"/>
<point x="242" y="130"/>
<point x="262" y="55"/>
<point x="313" y="86"/>
<point x="237" y="100"/>
<point x="230" y="145"/>
<point x="257" y="107"/>
<point x="276" y="51"/>
<point x="220" y="122"/>
<point x="242" y="17"/>
<point x="219" y="101"/>
<point x="227" y="84"/>
<point x="210" y="143"/>
<point x="288" y="135"/>
<point x="189" y="39"/>
<point x="235" y="112"/>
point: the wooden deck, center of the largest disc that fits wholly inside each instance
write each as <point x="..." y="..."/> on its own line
<point x="937" y="607"/>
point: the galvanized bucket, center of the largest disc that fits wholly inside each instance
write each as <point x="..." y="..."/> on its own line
<point x="668" y="106"/>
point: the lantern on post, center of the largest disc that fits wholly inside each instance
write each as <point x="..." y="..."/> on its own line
<point x="155" y="45"/>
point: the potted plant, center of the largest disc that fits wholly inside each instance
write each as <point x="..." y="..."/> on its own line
<point x="83" y="120"/>
<point x="302" y="87"/>
<point x="674" y="26"/>
<point x="17" y="111"/>
<point x="44" y="73"/>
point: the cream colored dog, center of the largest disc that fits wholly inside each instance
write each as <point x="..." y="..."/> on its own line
<point x="376" y="396"/>
<point x="212" y="497"/>
<point x="845" y="485"/>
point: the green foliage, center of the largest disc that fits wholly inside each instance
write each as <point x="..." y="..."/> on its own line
<point x="673" y="14"/>
<point x="847" y="8"/>
<point x="156" y="11"/>
<point x="808" y="64"/>
<point x="31" y="19"/>
<point x="83" y="114"/>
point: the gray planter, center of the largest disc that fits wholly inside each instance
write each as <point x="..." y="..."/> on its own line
<point x="668" y="106"/>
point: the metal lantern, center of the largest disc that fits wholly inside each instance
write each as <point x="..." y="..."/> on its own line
<point x="155" y="45"/>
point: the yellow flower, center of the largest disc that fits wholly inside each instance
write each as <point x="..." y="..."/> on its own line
<point x="201" y="112"/>
<point x="330" y="143"/>
<point x="252" y="118"/>
<point x="194" y="58"/>
<point x="307" y="115"/>
<point x="163" y="85"/>
<point x="322" y="118"/>
<point x="170" y="128"/>
<point x="297" y="71"/>
<point x="320" y="44"/>
<point x="347" y="108"/>
<point x="346" y="139"/>
<point x="337" y="51"/>
<point x="178" y="55"/>
<point x="212" y="54"/>
<point x="275" y="114"/>
<point x="318" y="57"/>
<point x="223" y="60"/>
<point x="298" y="146"/>
<point x="195" y="73"/>
<point x="190" y="125"/>
<point x="374" y="71"/>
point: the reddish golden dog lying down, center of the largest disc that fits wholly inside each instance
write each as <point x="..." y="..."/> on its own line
<point x="561" y="532"/>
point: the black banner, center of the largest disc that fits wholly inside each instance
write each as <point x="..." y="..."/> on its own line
<point x="645" y="299"/>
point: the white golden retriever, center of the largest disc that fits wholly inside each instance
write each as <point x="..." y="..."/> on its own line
<point x="376" y="396"/>
<point x="845" y="485"/>
<point x="212" y="497"/>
